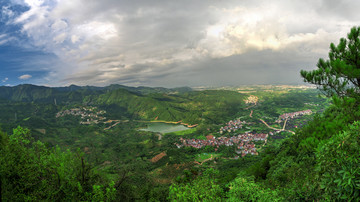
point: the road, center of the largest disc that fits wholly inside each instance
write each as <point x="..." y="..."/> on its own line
<point x="277" y="129"/>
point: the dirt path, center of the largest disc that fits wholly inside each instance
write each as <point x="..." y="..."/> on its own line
<point x="277" y="129"/>
<point x="285" y="124"/>
<point x="269" y="126"/>
<point x="209" y="159"/>
<point x="250" y="106"/>
<point x="159" y="136"/>
<point x="116" y="123"/>
<point x="113" y="125"/>
<point x="172" y="122"/>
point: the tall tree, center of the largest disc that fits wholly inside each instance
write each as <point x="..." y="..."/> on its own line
<point x="340" y="74"/>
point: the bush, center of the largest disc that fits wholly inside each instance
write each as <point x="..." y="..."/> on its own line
<point x="203" y="188"/>
<point x="338" y="165"/>
<point x="242" y="189"/>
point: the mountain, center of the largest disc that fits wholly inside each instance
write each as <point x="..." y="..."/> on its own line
<point x="144" y="103"/>
<point x="72" y="93"/>
<point x="190" y="107"/>
<point x="27" y="93"/>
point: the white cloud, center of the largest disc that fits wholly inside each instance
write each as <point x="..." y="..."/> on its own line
<point x="103" y="30"/>
<point x="74" y="38"/>
<point x="60" y="38"/>
<point x="6" y="12"/>
<point x="4" y="38"/>
<point x="266" y="27"/>
<point x="3" y="42"/>
<point x="59" y="25"/>
<point x="5" y="80"/>
<point x="135" y="41"/>
<point x="25" y="77"/>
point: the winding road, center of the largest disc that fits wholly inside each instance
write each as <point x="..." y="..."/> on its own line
<point x="277" y="129"/>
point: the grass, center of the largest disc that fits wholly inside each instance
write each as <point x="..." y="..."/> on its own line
<point x="202" y="157"/>
<point x="183" y="132"/>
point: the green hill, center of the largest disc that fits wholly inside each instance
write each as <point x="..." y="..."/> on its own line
<point x="71" y="94"/>
<point x="192" y="107"/>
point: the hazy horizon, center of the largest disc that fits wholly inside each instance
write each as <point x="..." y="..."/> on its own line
<point x="193" y="87"/>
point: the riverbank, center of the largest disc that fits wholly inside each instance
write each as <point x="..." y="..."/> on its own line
<point x="164" y="128"/>
<point x="171" y="122"/>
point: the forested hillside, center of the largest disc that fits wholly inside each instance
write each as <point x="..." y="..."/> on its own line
<point x="96" y="136"/>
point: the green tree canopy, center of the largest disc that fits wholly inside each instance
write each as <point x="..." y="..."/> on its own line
<point x="30" y="171"/>
<point x="340" y="74"/>
<point x="338" y="165"/>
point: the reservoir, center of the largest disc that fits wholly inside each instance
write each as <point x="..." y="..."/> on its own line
<point x="164" y="127"/>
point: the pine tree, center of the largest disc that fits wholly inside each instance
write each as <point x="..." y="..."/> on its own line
<point x="340" y="74"/>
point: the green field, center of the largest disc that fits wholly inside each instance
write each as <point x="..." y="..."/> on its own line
<point x="204" y="156"/>
<point x="184" y="132"/>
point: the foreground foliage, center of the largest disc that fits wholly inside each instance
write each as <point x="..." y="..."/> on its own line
<point x="31" y="172"/>
<point x="338" y="165"/>
<point x="242" y="189"/>
<point x="203" y="188"/>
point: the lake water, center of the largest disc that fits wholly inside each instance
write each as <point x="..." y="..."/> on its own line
<point x="164" y="128"/>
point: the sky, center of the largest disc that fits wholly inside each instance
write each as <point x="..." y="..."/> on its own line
<point x="167" y="43"/>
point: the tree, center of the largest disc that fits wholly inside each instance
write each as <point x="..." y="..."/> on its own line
<point x="338" y="165"/>
<point x="30" y="171"/>
<point x="340" y="75"/>
<point x="203" y="188"/>
<point x="241" y="189"/>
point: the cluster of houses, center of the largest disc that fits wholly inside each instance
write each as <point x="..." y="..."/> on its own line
<point x="243" y="142"/>
<point x="295" y="114"/>
<point x="232" y="126"/>
<point x="89" y="115"/>
<point x="252" y="99"/>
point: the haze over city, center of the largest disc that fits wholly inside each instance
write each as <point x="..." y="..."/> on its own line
<point x="167" y="43"/>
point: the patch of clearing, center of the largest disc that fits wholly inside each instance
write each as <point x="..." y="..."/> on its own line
<point x="183" y="132"/>
<point x="206" y="156"/>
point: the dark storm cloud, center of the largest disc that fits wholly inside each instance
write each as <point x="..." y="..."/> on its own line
<point x="178" y="43"/>
<point x="269" y="67"/>
<point x="346" y="9"/>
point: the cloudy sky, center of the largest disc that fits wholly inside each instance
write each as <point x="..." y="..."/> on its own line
<point x="167" y="42"/>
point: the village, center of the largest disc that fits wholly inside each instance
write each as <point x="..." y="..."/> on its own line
<point x="243" y="142"/>
<point x="295" y="114"/>
<point x="89" y="115"/>
<point x="252" y="99"/>
<point x="232" y="126"/>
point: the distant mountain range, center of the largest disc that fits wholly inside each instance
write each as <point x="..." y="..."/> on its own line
<point x="73" y="93"/>
<point x="123" y="102"/>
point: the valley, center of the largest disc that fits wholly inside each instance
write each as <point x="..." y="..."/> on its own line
<point x="162" y="135"/>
